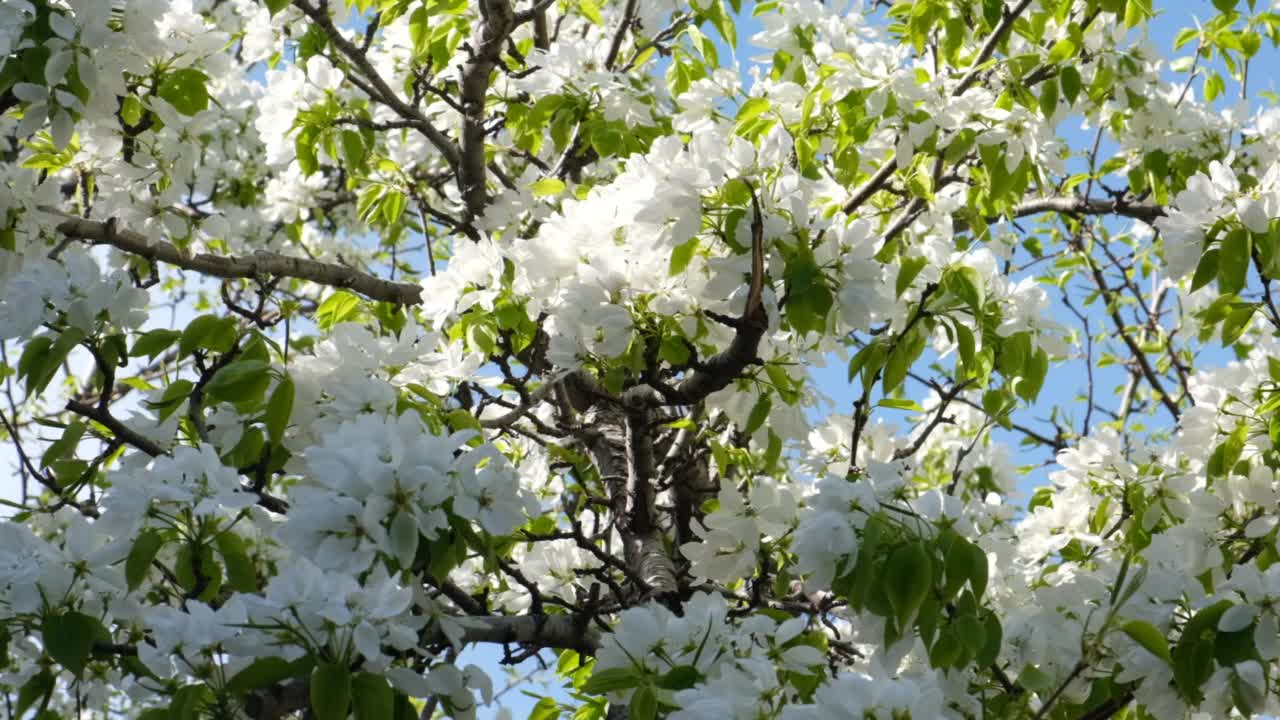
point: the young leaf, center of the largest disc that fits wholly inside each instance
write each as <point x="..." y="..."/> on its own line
<point x="330" y="691"/>
<point x="908" y="575"/>
<point x="610" y="680"/>
<point x="907" y="272"/>
<point x="644" y="704"/>
<point x="140" y="557"/>
<point x="373" y="697"/>
<point x="1151" y="639"/>
<point x="279" y="408"/>
<point x="261" y="673"/>
<point x="239" y="381"/>
<point x="153" y="343"/>
<point x="186" y="90"/>
<point x="68" y="639"/>
<point x="759" y="413"/>
<point x="240" y="569"/>
<point x="1233" y="261"/>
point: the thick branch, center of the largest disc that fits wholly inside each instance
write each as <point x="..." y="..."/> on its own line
<point x="496" y="22"/>
<point x="720" y="370"/>
<point x="560" y="632"/>
<point x="232" y="266"/>
<point x="645" y="544"/>
<point x="1089" y="206"/>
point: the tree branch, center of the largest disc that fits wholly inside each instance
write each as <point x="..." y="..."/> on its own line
<point x="721" y="369"/>
<point x="384" y="93"/>
<point x="232" y="266"/>
<point x="497" y="20"/>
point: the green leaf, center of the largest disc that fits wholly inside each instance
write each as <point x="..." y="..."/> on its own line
<point x="868" y="361"/>
<point x="337" y="308"/>
<point x="1236" y="322"/>
<point x="751" y="109"/>
<point x="419" y="31"/>
<point x="547" y="187"/>
<point x="275" y="6"/>
<point x="140" y="557"/>
<point x="373" y="697"/>
<point x="978" y="570"/>
<point x="1049" y="98"/>
<point x="957" y="566"/>
<point x="994" y="634"/>
<point x="591" y="11"/>
<point x="901" y="357"/>
<point x="1151" y="639"/>
<point x="722" y="22"/>
<point x="1061" y="50"/>
<point x="261" y="673"/>
<point x="43" y="357"/>
<point x="682" y="255"/>
<point x="606" y="140"/>
<point x="900" y="404"/>
<point x="33" y="691"/>
<point x="1233" y="648"/>
<point x="330" y="691"/>
<point x="1035" y="679"/>
<point x="966" y="343"/>
<point x="945" y="651"/>
<point x="972" y="634"/>
<point x="908" y="575"/>
<point x="1206" y="269"/>
<point x="187" y="701"/>
<point x="907" y="272"/>
<point x="353" y="149"/>
<point x="1193" y="654"/>
<point x="153" y="343"/>
<point x="1071" y="83"/>
<point x="306" y="147"/>
<point x="1135" y="11"/>
<point x="1233" y="447"/>
<point x="1214" y="85"/>
<point x="279" y="409"/>
<point x="240" y="570"/>
<point x="965" y="283"/>
<point x="759" y="413"/>
<point x="392" y="206"/>
<point x="239" y="381"/>
<point x="546" y="709"/>
<point x="1033" y="374"/>
<point x="862" y="575"/>
<point x="808" y="297"/>
<point x="644" y="704"/>
<point x="680" y="677"/>
<point x="610" y="680"/>
<point x="65" y="445"/>
<point x="1013" y="354"/>
<point x="68" y="639"/>
<point x="208" y="332"/>
<point x="1233" y="261"/>
<point x="186" y="90"/>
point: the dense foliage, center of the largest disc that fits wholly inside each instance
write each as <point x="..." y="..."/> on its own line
<point x="340" y="337"/>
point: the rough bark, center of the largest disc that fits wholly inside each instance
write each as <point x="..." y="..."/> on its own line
<point x="258" y="265"/>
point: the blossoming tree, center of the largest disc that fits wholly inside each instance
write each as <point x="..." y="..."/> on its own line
<point x="340" y="338"/>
